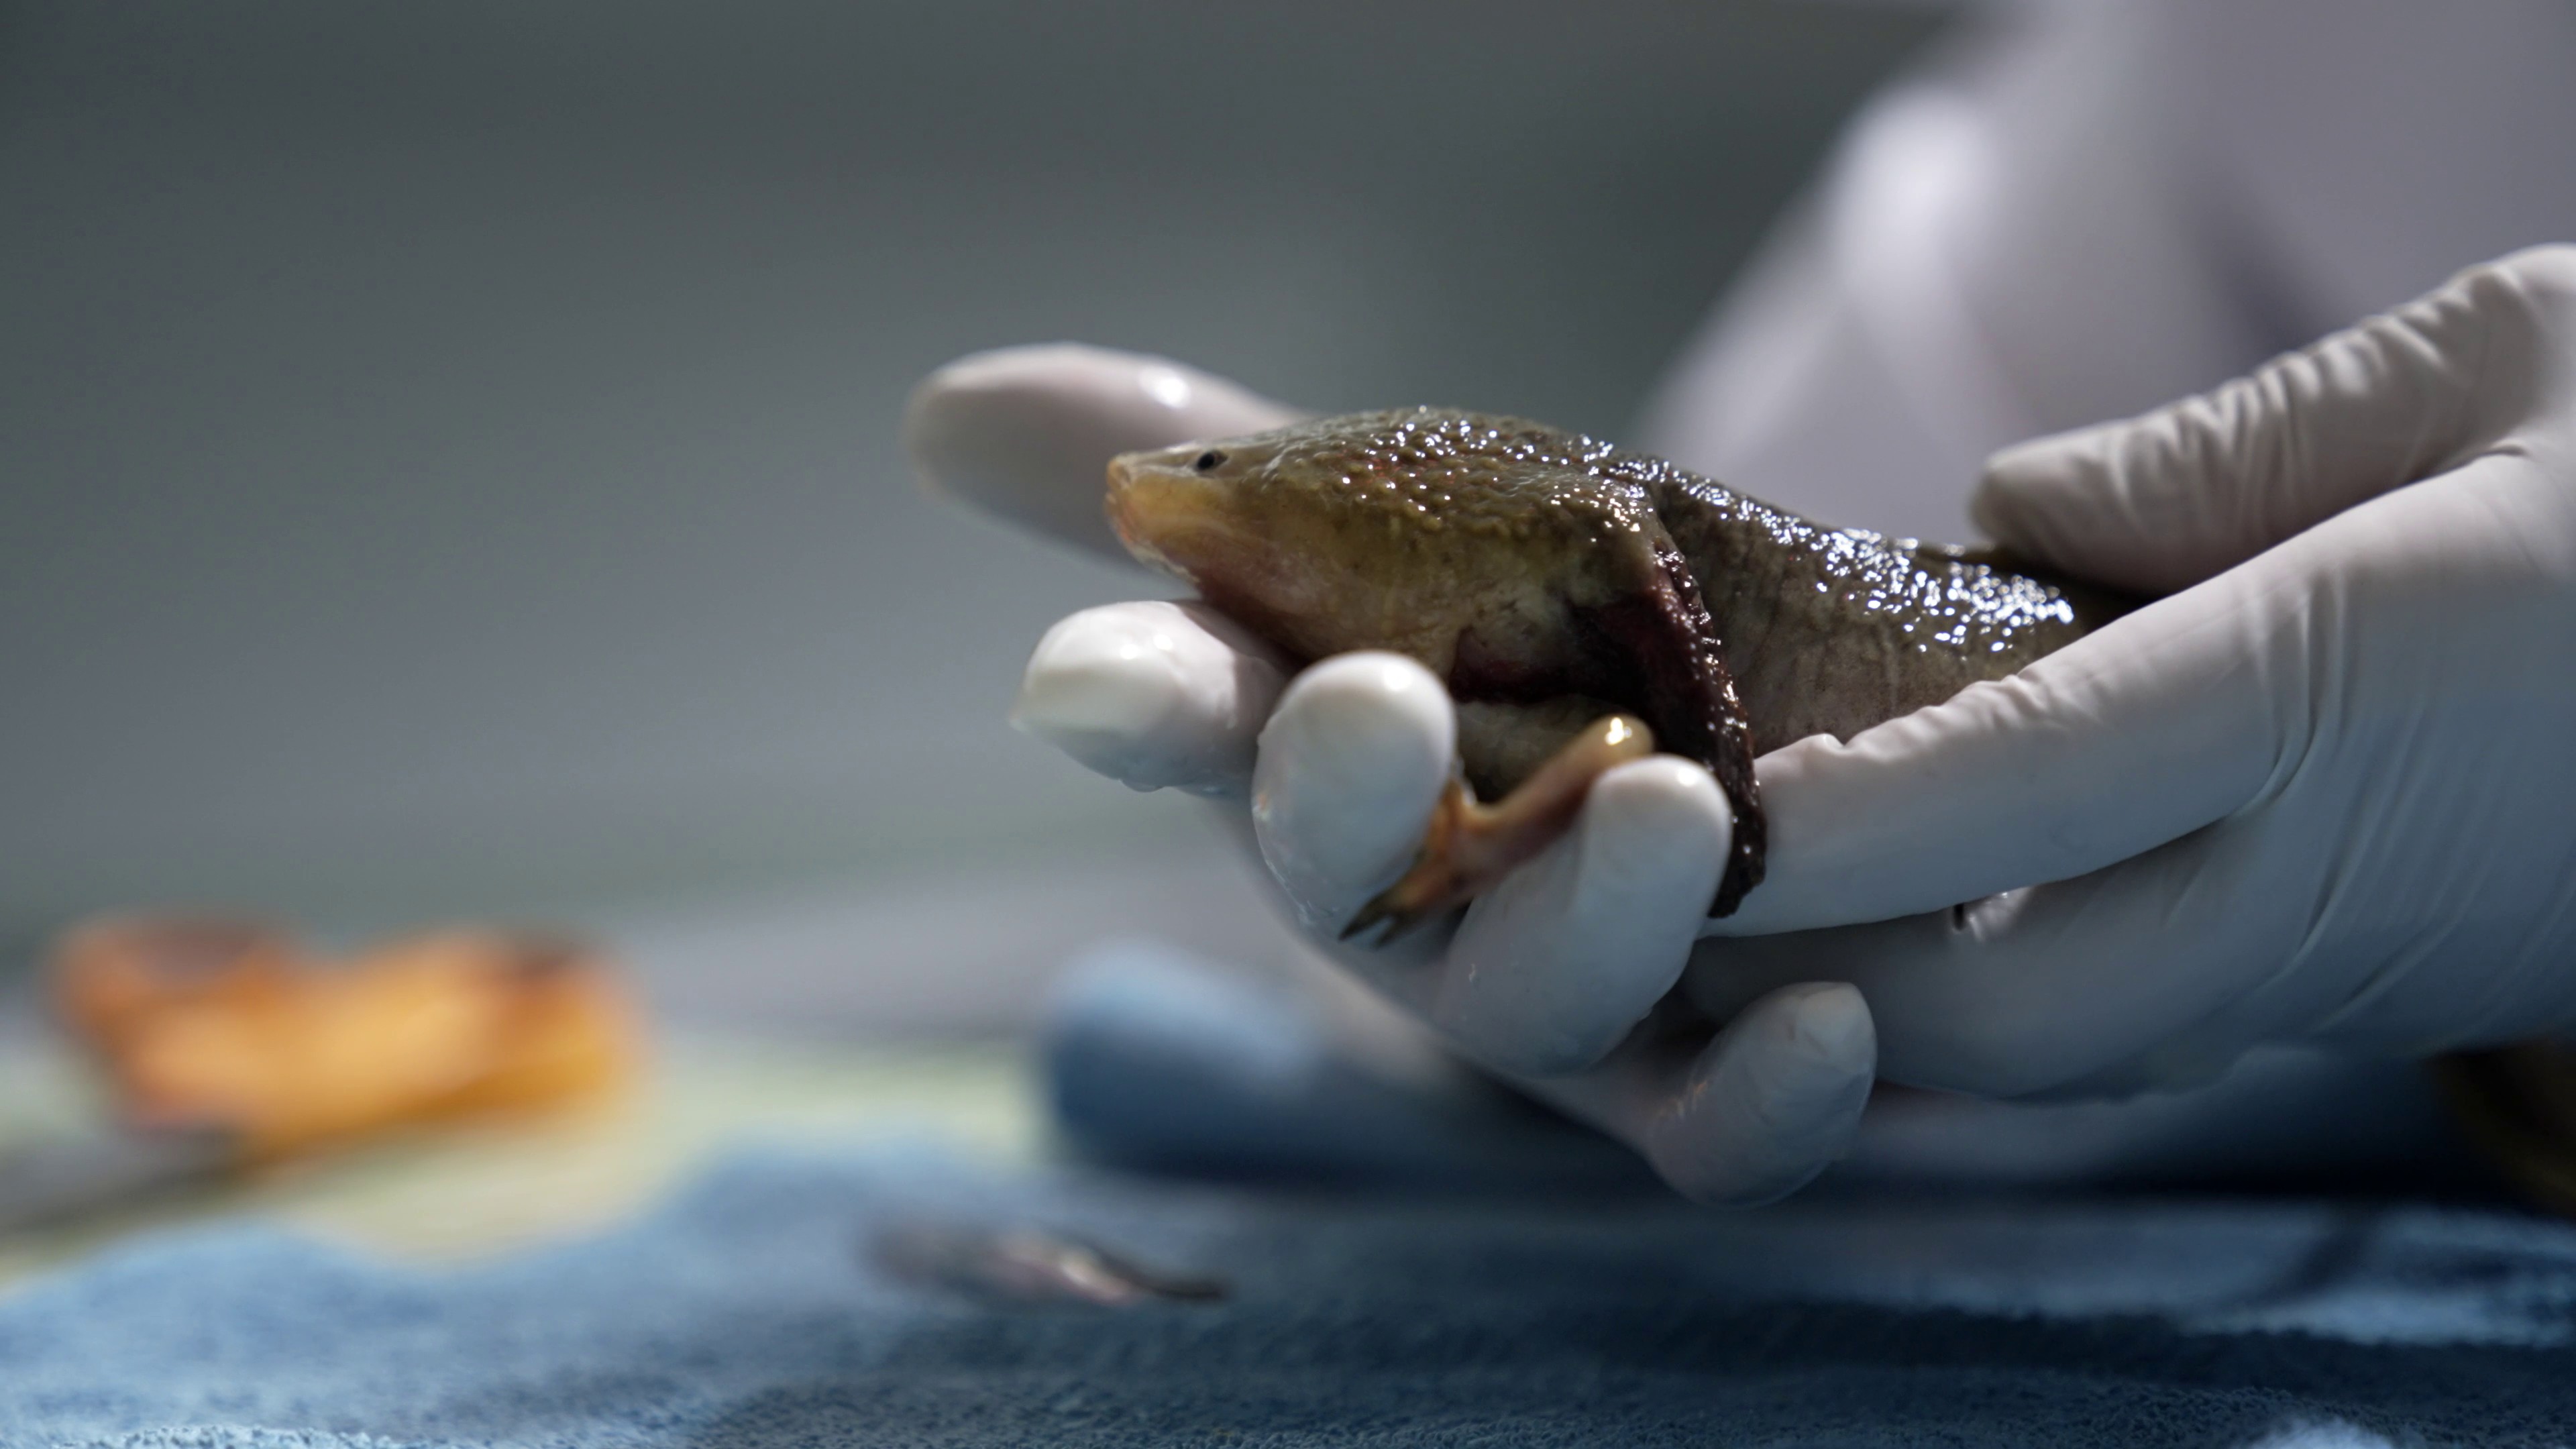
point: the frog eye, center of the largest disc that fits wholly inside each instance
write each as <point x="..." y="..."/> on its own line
<point x="1208" y="462"/>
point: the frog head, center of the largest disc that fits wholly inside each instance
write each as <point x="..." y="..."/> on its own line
<point x="1294" y="532"/>
<point x="1392" y="530"/>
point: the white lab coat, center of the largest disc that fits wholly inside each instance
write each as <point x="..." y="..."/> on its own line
<point x="2074" y="212"/>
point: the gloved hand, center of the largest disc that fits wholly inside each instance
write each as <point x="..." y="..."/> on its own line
<point x="2308" y="796"/>
<point x="1549" y="973"/>
<point x="2320" y="793"/>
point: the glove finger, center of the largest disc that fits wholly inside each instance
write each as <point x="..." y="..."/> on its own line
<point x="1346" y="775"/>
<point x="1554" y="966"/>
<point x="2153" y="726"/>
<point x="2169" y="964"/>
<point x="1028" y="432"/>
<point x="2175" y="717"/>
<point x="2163" y="501"/>
<point x="1152" y="695"/>
<point x="1756" y="1113"/>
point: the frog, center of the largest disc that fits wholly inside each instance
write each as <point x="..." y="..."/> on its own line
<point x="1584" y="604"/>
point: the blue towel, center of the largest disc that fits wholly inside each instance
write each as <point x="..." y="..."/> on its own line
<point x="756" y="1310"/>
<point x="1547" y="1295"/>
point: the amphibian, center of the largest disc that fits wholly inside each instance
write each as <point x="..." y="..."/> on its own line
<point x="1559" y="584"/>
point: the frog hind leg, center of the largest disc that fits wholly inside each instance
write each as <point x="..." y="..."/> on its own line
<point x="1660" y="627"/>
<point x="1471" y="845"/>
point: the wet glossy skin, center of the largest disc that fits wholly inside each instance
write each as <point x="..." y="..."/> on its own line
<point x="1548" y="577"/>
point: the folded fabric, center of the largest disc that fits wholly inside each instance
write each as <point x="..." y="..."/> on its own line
<point x="759" y="1309"/>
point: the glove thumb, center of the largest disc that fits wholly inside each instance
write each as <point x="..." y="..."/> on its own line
<point x="1026" y="432"/>
<point x="2162" y="501"/>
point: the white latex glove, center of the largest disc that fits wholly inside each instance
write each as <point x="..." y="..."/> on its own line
<point x="1549" y="973"/>
<point x="2321" y="793"/>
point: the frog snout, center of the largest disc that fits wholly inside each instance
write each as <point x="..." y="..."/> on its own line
<point x="1123" y="502"/>
<point x="1161" y="508"/>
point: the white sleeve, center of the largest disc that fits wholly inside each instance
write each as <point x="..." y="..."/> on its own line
<point x="2077" y="211"/>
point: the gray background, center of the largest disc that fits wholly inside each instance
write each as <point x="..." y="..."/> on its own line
<point x="447" y="452"/>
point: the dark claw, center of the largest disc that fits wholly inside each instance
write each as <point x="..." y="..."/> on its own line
<point x="1399" y="920"/>
<point x="1375" y="913"/>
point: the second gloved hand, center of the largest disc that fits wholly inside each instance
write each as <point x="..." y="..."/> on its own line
<point x="2320" y="793"/>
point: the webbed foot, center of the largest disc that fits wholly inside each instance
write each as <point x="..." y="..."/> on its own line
<point x="1470" y="846"/>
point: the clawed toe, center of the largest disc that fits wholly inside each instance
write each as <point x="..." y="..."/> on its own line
<point x="1470" y="847"/>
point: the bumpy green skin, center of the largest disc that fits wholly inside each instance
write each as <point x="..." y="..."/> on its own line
<point x="1539" y="571"/>
<point x="1830" y="631"/>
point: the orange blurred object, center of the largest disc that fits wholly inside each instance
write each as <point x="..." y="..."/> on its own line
<point x="226" y="1023"/>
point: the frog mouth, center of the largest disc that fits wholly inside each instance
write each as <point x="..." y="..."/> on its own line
<point x="1172" y="520"/>
<point x="1204" y="532"/>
